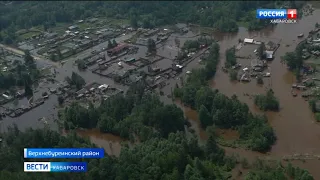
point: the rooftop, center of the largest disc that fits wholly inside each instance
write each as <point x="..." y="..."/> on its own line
<point x="118" y="48"/>
<point x="269" y="54"/>
<point x="247" y="40"/>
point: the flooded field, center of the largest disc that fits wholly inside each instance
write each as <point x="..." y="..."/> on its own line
<point x="111" y="143"/>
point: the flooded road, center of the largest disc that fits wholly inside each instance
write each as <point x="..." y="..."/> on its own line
<point x="48" y="109"/>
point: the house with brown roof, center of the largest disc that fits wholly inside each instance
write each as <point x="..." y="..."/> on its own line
<point x="118" y="49"/>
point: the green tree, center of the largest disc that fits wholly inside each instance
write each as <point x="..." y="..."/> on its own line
<point x="259" y="80"/>
<point x="267" y="102"/>
<point x="151" y="46"/>
<point x="28" y="59"/>
<point x="53" y="57"/>
<point x="231" y="57"/>
<point x="58" y="51"/>
<point x="214" y="153"/>
<point x="114" y="43"/>
<point x="233" y="75"/>
<point x="60" y="100"/>
<point x="261" y="50"/>
<point x="76" y="80"/>
<point x="28" y="90"/>
<point x="110" y="44"/>
<point x="204" y="117"/>
<point x="81" y="65"/>
<point x="134" y="21"/>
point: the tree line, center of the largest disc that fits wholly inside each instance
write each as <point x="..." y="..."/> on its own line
<point x="223" y="16"/>
<point x="135" y="114"/>
<point x="294" y="60"/>
<point x="172" y="158"/>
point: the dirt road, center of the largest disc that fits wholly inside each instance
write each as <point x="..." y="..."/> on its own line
<point x="20" y="52"/>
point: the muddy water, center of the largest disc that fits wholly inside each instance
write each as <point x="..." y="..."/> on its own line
<point x="111" y="143"/>
<point x="30" y="119"/>
<point x="295" y="115"/>
<point x="69" y="66"/>
<point x="294" y="125"/>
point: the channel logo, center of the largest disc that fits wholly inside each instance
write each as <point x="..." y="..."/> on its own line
<point x="276" y="14"/>
<point x="55" y="166"/>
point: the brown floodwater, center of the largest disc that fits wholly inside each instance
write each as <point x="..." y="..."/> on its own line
<point x="111" y="143"/>
<point x="294" y="125"/>
<point x="295" y="115"/>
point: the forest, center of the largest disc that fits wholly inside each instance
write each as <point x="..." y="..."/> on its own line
<point x="137" y="114"/>
<point x="224" y="16"/>
<point x="177" y="157"/>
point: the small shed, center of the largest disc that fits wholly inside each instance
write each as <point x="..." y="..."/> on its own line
<point x="248" y="41"/>
<point x="74" y="27"/>
<point x="269" y="55"/>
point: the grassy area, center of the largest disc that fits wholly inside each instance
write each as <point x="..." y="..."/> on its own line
<point x="45" y="72"/>
<point x="84" y="25"/>
<point x="21" y="31"/>
<point x="243" y="24"/>
<point x="206" y="30"/>
<point x="118" y="21"/>
<point x="134" y="38"/>
<point x="231" y="143"/>
<point x="36" y="28"/>
<point x="29" y="35"/>
<point x="60" y="28"/>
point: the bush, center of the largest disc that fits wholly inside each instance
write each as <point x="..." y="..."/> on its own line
<point x="317" y="115"/>
<point x="233" y="75"/>
<point x="267" y="102"/>
<point x="259" y="80"/>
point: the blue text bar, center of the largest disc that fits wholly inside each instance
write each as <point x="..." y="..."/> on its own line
<point x="46" y="153"/>
<point x="271" y="13"/>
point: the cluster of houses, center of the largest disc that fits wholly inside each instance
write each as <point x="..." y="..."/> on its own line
<point x="94" y="89"/>
<point x="23" y="109"/>
<point x="257" y="66"/>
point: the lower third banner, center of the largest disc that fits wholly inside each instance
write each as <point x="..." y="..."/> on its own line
<point x="55" y="166"/>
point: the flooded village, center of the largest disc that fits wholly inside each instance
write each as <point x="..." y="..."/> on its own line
<point x="110" y="58"/>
